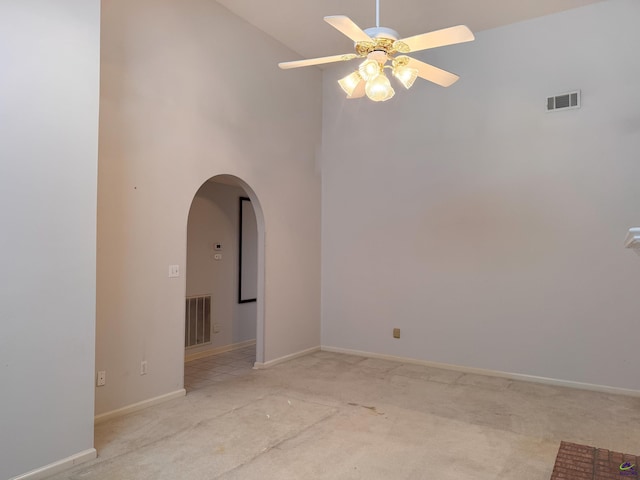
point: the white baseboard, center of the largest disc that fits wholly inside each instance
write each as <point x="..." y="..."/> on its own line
<point x="139" y="406"/>
<point x="215" y="351"/>
<point x="286" y="358"/>
<point x="491" y="373"/>
<point x="59" y="466"/>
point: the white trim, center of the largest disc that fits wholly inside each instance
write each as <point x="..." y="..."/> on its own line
<point x="286" y="358"/>
<point x="215" y="351"/>
<point x="59" y="466"/>
<point x="134" y="407"/>
<point x="491" y="373"/>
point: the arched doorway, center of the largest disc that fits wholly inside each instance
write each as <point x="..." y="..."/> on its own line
<point x="224" y="319"/>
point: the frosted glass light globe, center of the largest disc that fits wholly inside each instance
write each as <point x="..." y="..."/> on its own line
<point x="406" y="75"/>
<point x="379" y="88"/>
<point x="369" y="69"/>
<point x="350" y="82"/>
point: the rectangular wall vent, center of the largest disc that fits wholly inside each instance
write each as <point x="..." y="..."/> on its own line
<point x="197" y="317"/>
<point x="564" y="101"/>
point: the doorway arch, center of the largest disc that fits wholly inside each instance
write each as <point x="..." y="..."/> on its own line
<point x="244" y="190"/>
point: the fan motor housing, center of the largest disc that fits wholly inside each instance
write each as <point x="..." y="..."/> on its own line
<point x="379" y="56"/>
<point x="382" y="32"/>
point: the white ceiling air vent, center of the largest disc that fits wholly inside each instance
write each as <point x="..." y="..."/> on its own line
<point x="564" y="101"/>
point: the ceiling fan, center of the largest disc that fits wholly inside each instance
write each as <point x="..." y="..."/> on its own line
<point x="381" y="45"/>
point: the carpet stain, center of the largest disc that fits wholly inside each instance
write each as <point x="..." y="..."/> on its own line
<point x="371" y="409"/>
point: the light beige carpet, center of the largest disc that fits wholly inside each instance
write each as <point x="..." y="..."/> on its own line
<point x="332" y="416"/>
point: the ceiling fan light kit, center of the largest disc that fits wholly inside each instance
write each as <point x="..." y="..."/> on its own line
<point x="379" y="45"/>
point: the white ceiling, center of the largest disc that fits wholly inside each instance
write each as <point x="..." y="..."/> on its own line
<point x="299" y="24"/>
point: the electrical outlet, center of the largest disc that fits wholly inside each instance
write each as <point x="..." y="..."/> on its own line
<point x="143" y="367"/>
<point x="102" y="378"/>
<point x="216" y="328"/>
<point x="396" y="333"/>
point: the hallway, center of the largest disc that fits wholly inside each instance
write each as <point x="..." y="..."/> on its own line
<point x="207" y="371"/>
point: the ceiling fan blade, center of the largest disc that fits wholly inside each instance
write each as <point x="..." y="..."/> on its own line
<point x="347" y="27"/>
<point x="439" y="38"/>
<point x="317" y="61"/>
<point x="433" y="74"/>
<point x="358" y="92"/>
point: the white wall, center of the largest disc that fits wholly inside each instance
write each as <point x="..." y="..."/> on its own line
<point x="190" y="91"/>
<point x="490" y="231"/>
<point x="49" y="59"/>
<point x="214" y="218"/>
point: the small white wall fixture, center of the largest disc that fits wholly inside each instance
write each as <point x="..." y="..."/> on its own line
<point x="633" y="240"/>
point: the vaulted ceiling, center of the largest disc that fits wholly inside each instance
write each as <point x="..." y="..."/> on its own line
<point x="299" y="23"/>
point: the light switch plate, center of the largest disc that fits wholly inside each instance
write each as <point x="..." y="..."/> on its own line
<point x="174" y="271"/>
